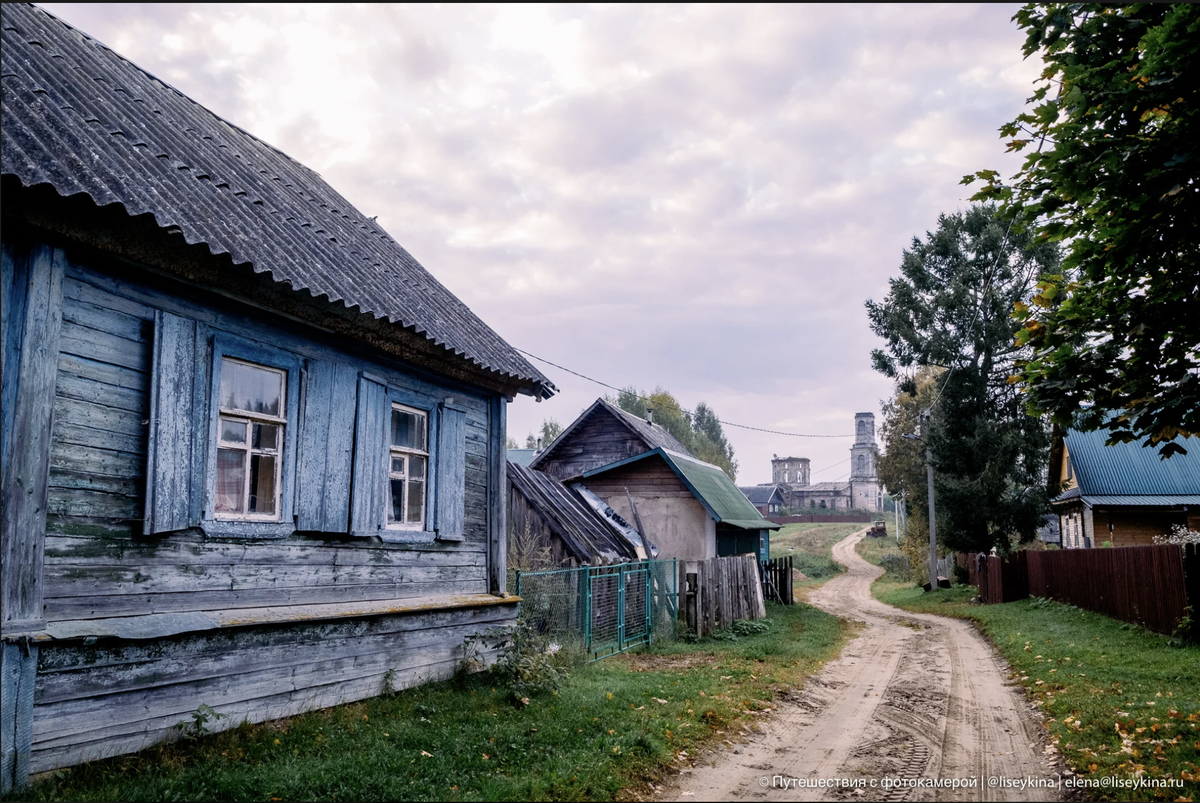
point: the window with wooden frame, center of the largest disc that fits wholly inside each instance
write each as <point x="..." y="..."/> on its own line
<point x="223" y="424"/>
<point x="251" y="426"/>
<point x="408" y="468"/>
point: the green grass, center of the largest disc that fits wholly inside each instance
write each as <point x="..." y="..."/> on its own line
<point x="1119" y="700"/>
<point x="872" y="550"/>
<point x="811" y="546"/>
<point x="614" y="725"/>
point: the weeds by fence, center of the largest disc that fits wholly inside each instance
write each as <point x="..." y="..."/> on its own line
<point x="1151" y="586"/>
<point x="607" y="608"/>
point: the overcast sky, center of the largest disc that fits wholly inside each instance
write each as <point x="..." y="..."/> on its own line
<point x="698" y="198"/>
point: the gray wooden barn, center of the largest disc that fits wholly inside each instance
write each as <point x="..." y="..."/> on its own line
<point x="253" y="452"/>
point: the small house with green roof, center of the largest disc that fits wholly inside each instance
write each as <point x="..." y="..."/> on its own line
<point x="1122" y="494"/>
<point x="690" y="509"/>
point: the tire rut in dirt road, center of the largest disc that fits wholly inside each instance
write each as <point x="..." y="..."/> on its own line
<point x="914" y="696"/>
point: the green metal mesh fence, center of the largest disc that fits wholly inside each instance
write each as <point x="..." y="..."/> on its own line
<point x="609" y="608"/>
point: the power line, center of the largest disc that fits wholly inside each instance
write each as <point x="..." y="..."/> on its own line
<point x="681" y="409"/>
<point x="835" y="465"/>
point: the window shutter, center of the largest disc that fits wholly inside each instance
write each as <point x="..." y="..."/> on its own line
<point x="451" y="473"/>
<point x="173" y="456"/>
<point x="368" y="497"/>
<point x="326" y="448"/>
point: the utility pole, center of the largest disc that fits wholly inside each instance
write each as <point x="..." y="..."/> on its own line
<point x="901" y="520"/>
<point x="933" y="575"/>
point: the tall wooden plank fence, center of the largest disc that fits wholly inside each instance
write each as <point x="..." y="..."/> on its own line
<point x="1144" y="585"/>
<point x="719" y="592"/>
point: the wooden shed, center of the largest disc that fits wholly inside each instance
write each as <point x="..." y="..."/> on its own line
<point x="253" y="452"/>
<point x="602" y="434"/>
<point x="576" y="527"/>
<point x="690" y="509"/>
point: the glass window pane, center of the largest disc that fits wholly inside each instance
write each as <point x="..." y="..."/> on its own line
<point x="398" y="466"/>
<point x="233" y="431"/>
<point x="245" y="387"/>
<point x="396" y="508"/>
<point x="416" y="467"/>
<point x="262" y="484"/>
<point x="408" y="430"/>
<point x="416" y="501"/>
<point x="231" y="480"/>
<point x="266" y="436"/>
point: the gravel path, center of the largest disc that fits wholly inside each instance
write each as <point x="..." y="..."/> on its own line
<point x="914" y="697"/>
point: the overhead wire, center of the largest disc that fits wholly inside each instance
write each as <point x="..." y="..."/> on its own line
<point x="648" y="400"/>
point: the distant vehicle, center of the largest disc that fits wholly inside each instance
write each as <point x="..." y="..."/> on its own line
<point x="878" y="530"/>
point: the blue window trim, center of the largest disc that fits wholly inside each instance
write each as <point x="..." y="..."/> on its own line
<point x="430" y="406"/>
<point x="224" y="345"/>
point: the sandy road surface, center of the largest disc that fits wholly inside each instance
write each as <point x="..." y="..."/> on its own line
<point x="913" y="696"/>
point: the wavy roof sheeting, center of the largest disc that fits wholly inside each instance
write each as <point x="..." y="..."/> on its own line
<point x="1129" y="469"/>
<point x="583" y="531"/>
<point x="81" y="118"/>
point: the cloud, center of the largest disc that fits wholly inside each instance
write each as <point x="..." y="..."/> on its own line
<point x="698" y="197"/>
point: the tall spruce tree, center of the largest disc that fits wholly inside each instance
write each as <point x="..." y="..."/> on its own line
<point x="951" y="309"/>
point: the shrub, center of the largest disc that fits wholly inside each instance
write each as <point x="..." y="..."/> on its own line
<point x="896" y="565"/>
<point x="529" y="663"/>
<point x="1180" y="535"/>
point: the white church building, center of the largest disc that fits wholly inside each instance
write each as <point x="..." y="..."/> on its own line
<point x="861" y="491"/>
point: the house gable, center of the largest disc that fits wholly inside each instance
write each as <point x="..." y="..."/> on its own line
<point x="603" y="434"/>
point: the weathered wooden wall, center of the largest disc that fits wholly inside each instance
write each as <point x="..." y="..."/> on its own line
<point x="651" y="477"/>
<point x="675" y="520"/>
<point x="522" y="515"/>
<point x="121" y="694"/>
<point x="111" y="698"/>
<point x="98" y="565"/>
<point x="599" y="441"/>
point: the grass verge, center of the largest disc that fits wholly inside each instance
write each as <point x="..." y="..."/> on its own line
<point x="613" y="728"/>
<point x="811" y="546"/>
<point x="1119" y="701"/>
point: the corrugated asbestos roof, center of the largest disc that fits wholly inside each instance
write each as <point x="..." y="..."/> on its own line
<point x="1128" y="469"/>
<point x="522" y="457"/>
<point x="585" y="534"/>
<point x="710" y="485"/>
<point x="81" y="118"/>
<point x="653" y="434"/>
<point x="760" y="495"/>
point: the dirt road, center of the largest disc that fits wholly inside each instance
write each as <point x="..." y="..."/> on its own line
<point x="912" y="697"/>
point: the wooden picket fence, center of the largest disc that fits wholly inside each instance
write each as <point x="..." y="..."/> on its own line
<point x="1151" y="586"/>
<point x="719" y="592"/>
<point x="778" y="580"/>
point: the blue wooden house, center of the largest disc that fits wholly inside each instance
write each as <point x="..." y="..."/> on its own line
<point x="253" y="452"/>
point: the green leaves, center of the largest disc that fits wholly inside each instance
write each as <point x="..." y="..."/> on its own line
<point x="1116" y="118"/>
